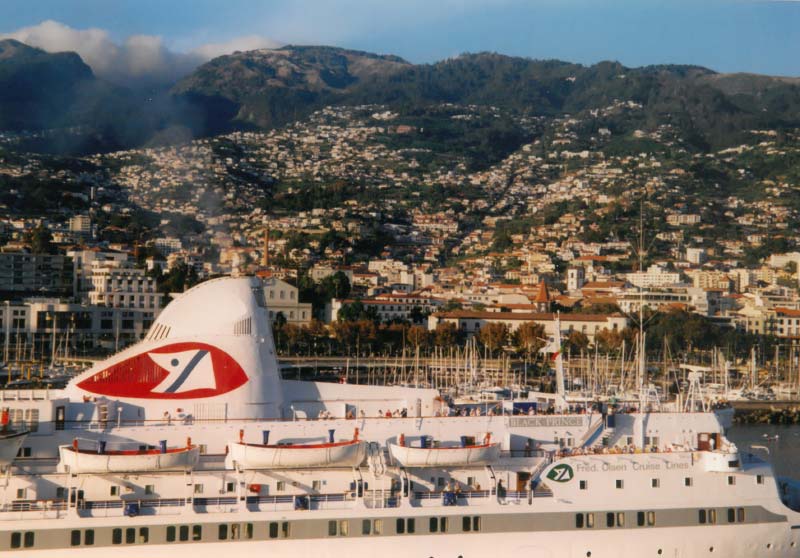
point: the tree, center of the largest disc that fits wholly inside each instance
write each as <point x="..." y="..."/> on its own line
<point x="355" y="311"/>
<point x="336" y="285"/>
<point x="41" y="240"/>
<point x="445" y="334"/>
<point x="418" y="336"/>
<point x="493" y="335"/>
<point x="608" y="340"/>
<point x="577" y="341"/>
<point x="529" y="338"/>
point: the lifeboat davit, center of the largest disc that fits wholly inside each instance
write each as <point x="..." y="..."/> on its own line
<point x="100" y="460"/>
<point x="426" y="455"/>
<point x="349" y="453"/>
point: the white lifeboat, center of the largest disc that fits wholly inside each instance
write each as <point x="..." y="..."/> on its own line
<point x="350" y="453"/>
<point x="76" y="460"/>
<point x="444" y="455"/>
<point x="10" y="442"/>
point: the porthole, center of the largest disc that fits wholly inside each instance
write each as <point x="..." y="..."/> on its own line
<point x="769" y="545"/>
<point x="589" y="553"/>
<point x="660" y="551"/>
<point x="711" y="549"/>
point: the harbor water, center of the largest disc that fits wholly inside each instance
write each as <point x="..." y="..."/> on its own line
<point x="781" y="441"/>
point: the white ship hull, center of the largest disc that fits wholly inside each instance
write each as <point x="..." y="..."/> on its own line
<point x="723" y="540"/>
<point x="408" y="456"/>
<point x="253" y="456"/>
<point x="82" y="462"/>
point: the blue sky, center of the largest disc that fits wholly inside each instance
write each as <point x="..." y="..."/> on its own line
<point x="726" y="35"/>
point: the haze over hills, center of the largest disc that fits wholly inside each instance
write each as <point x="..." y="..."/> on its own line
<point x="268" y="88"/>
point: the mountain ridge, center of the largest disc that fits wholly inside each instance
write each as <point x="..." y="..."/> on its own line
<point x="267" y="88"/>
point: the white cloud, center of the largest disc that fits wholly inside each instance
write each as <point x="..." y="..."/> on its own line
<point x="248" y="42"/>
<point x="140" y="58"/>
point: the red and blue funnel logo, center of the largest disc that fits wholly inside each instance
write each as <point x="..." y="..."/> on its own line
<point x="177" y="371"/>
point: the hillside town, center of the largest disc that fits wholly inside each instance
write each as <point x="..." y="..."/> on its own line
<point x="356" y="214"/>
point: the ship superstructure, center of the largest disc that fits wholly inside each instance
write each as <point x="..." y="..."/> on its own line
<point x="191" y="439"/>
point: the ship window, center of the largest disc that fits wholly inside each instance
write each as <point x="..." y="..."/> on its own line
<point x="655" y="483"/>
<point x="731" y="480"/>
<point x="401" y="526"/>
<point x="740" y="515"/>
<point x="248" y="530"/>
<point x="316" y="485"/>
<point x="130" y="535"/>
<point x="759" y="479"/>
<point x="230" y="487"/>
<point x="687" y="481"/>
<point x="651" y="518"/>
<point x="149" y="488"/>
<point x="620" y="484"/>
<point x="579" y="520"/>
<point x="584" y="484"/>
<point x="88" y="537"/>
<point x="701" y="517"/>
<point x="285" y="529"/>
<point x="198" y="489"/>
<point x="16" y="540"/>
<point x="144" y="535"/>
<point x="438" y="525"/>
<point x="590" y="520"/>
<point x="712" y="516"/>
<point x="620" y="519"/>
<point x="114" y="490"/>
<point x="171" y="533"/>
<point x="116" y="536"/>
<point x="222" y="532"/>
<point x="410" y="525"/>
<point x="610" y="519"/>
<point x="338" y="528"/>
<point x="281" y="486"/>
<point x="731" y="515"/>
<point x="273" y="530"/>
<point x="75" y="538"/>
<point x="61" y="493"/>
<point x="197" y="532"/>
<point x="27" y="540"/>
<point x="366" y="527"/>
<point x="235" y="533"/>
<point x="640" y="519"/>
<point x="183" y="533"/>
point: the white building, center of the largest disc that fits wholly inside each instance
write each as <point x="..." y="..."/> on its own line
<point x="576" y="277"/>
<point x="119" y="285"/>
<point x="282" y="298"/>
<point x="655" y="276"/>
<point x="83" y="262"/>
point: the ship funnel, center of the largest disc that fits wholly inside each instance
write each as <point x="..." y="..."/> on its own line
<point x="210" y="355"/>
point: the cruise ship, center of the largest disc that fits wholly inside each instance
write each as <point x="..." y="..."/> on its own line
<point x="191" y="442"/>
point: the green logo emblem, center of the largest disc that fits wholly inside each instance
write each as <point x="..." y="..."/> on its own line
<point x="561" y="473"/>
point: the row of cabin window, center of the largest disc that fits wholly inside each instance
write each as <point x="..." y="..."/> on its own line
<point x="341" y="528"/>
<point x="615" y="519"/>
<point x="19" y="540"/>
<point x="735" y="515"/>
<point x="656" y="482"/>
<point x="182" y="533"/>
